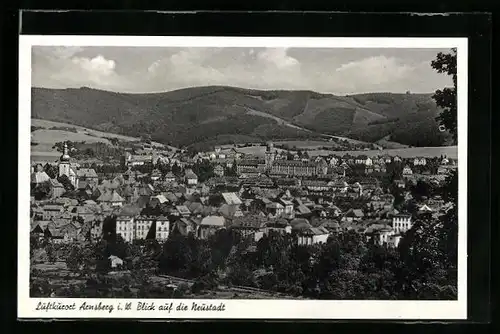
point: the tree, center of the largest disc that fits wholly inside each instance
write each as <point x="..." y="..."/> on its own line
<point x="65" y="181"/>
<point x="447" y="98"/>
<point x="421" y="189"/>
<point x="176" y="170"/>
<point x="51" y="170"/>
<point x="177" y="255"/>
<point x="49" y="249"/>
<point x="204" y="170"/>
<point x="428" y="252"/>
<point x="42" y="190"/>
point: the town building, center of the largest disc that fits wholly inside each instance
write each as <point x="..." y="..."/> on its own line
<point x="65" y="167"/>
<point x="419" y="161"/>
<point x="39" y="176"/>
<point x="407" y="171"/>
<point x="210" y="225"/>
<point x="219" y="171"/>
<point x="401" y="223"/>
<point x="312" y="235"/>
<point x="190" y="177"/>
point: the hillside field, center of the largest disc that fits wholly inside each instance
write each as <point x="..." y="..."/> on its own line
<point x="45" y="137"/>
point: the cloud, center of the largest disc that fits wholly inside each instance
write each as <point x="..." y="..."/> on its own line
<point x="198" y="66"/>
<point x="62" y="67"/>
<point x="277" y="57"/>
<point x="340" y="71"/>
<point x="368" y="73"/>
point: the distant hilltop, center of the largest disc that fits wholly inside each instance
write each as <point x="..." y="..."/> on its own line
<point x="219" y="115"/>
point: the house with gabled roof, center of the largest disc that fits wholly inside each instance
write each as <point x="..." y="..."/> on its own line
<point x="183" y="210"/>
<point x="56" y="188"/>
<point x="39" y="176"/>
<point x="210" y="225"/>
<point x="190" y="177"/>
<point x="407" y="171"/>
<point x="185" y="226"/>
<point x="312" y="235"/>
<point x="111" y="197"/>
<point x="353" y="215"/>
<point x="419" y="161"/>
<point x="299" y="224"/>
<point x="281" y="226"/>
<point x="330" y="225"/>
<point x="250" y="226"/>
<point x="334" y="161"/>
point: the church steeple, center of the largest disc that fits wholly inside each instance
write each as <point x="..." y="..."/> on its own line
<point x="269" y="156"/>
<point x="65" y="156"/>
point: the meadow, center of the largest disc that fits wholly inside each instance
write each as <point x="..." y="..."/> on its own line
<point x="45" y="137"/>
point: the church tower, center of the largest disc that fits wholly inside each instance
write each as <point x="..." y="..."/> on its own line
<point x="64" y="164"/>
<point x="270" y="155"/>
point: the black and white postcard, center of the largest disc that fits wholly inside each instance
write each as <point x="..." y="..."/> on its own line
<point x="242" y="178"/>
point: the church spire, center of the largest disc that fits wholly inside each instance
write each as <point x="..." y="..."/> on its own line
<point x="65" y="156"/>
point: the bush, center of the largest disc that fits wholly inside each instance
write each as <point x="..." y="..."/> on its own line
<point x="197" y="287"/>
<point x="183" y="287"/>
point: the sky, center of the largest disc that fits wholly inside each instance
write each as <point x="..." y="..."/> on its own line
<point x="159" y="69"/>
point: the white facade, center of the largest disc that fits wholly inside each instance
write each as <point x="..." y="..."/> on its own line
<point x="407" y="171"/>
<point x="162" y="229"/>
<point x="142" y="227"/>
<point x="125" y="228"/>
<point x="394" y="240"/>
<point x="306" y="240"/>
<point x="136" y="229"/>
<point x="419" y="162"/>
<point x="382" y="237"/>
<point x="401" y="223"/>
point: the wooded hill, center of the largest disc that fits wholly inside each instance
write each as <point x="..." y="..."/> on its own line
<point x="219" y="115"/>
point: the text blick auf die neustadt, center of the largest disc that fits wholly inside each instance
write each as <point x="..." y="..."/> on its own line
<point x="129" y="306"/>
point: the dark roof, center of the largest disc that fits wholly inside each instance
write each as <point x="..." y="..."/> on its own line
<point x="130" y="210"/>
<point x="249" y="221"/>
<point x="355" y="213"/>
<point x="300" y="224"/>
<point x="294" y="163"/>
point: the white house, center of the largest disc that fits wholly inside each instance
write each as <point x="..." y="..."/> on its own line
<point x="393" y="240"/>
<point x="312" y="235"/>
<point x="401" y="223"/>
<point x="288" y="207"/>
<point x="115" y="261"/>
<point x="275" y="209"/>
<point x="162" y="228"/>
<point x="209" y="225"/>
<point x="191" y="177"/>
<point x="382" y="236"/>
<point x="363" y="160"/>
<point x="418" y="161"/>
<point x="125" y="227"/>
<point x="407" y="171"/>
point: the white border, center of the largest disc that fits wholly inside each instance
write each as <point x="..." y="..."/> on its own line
<point x="243" y="309"/>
